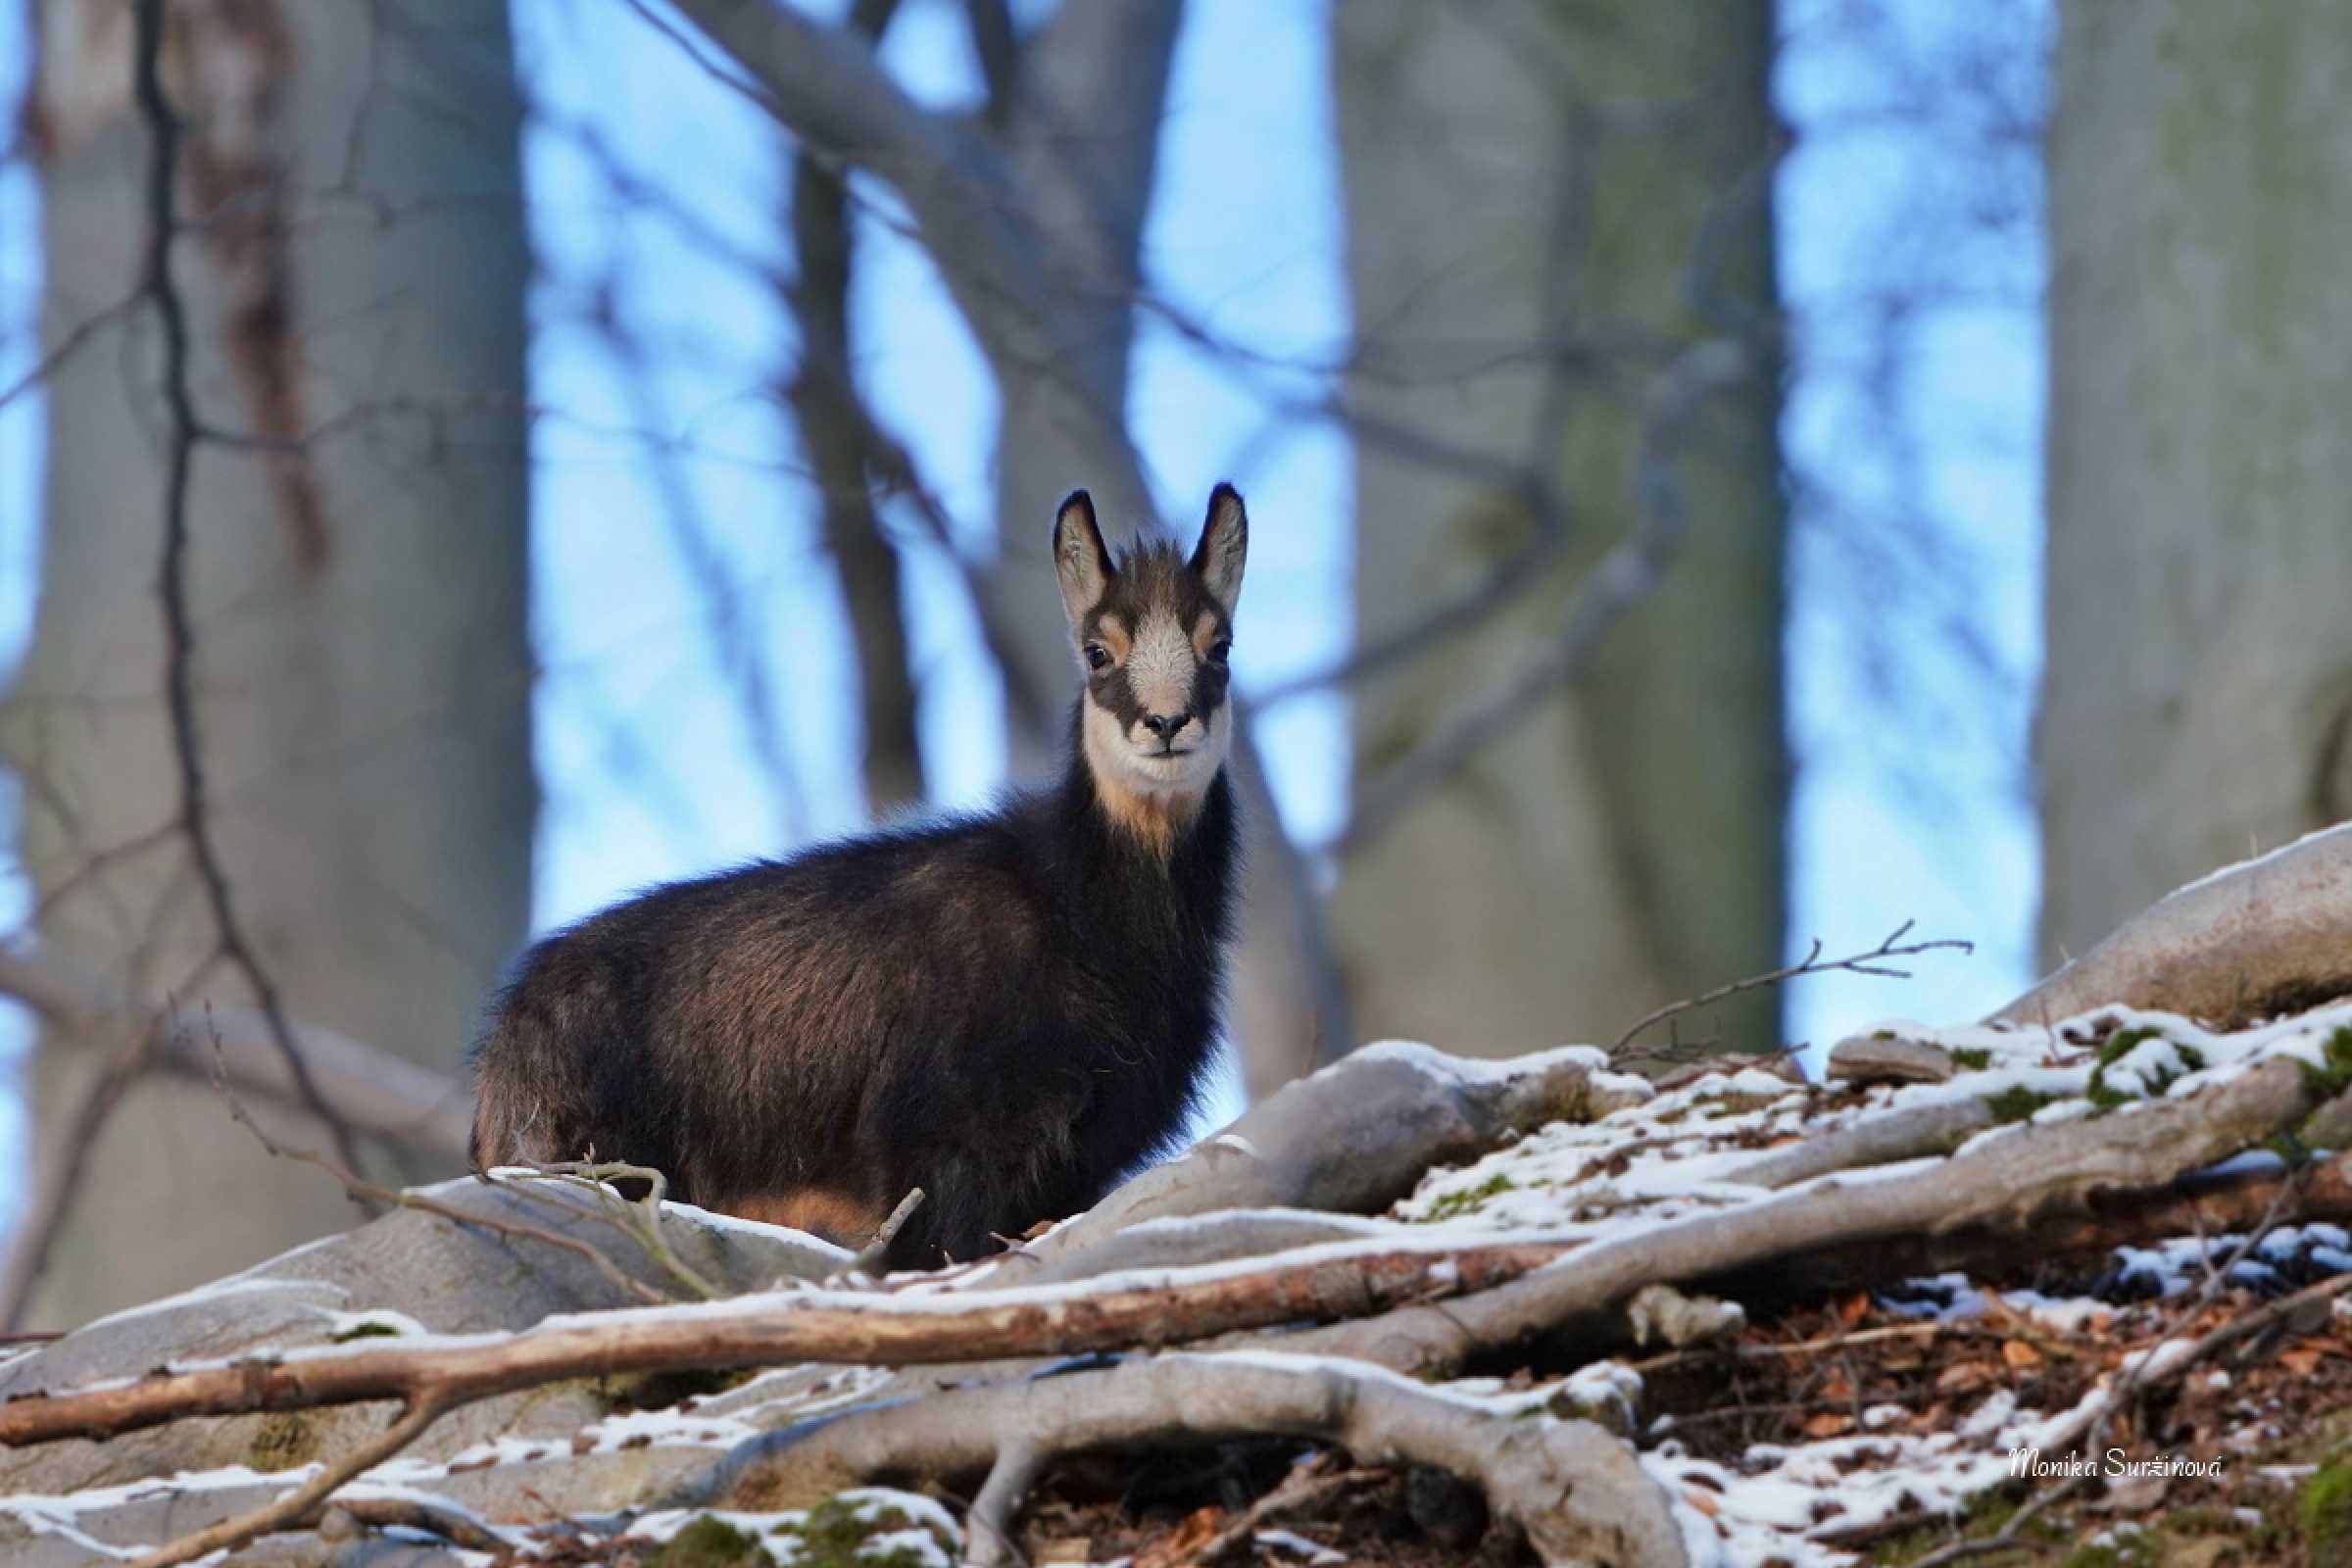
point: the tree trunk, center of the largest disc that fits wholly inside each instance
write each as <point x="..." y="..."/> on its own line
<point x="2198" y="705"/>
<point x="352" y="263"/>
<point x="824" y="397"/>
<point x="1622" y="845"/>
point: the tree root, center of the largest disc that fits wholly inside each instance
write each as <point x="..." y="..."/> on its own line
<point x="2004" y="1183"/>
<point x="2265" y="937"/>
<point x="1576" y="1489"/>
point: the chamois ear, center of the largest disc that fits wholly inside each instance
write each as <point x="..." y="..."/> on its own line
<point x="1224" y="545"/>
<point x="1080" y="562"/>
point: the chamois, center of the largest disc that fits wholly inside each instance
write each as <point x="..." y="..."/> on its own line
<point x="1010" y="1010"/>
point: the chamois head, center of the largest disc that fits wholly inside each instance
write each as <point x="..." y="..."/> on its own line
<point x="1153" y="631"/>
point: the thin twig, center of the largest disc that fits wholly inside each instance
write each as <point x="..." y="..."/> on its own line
<point x="870" y="1255"/>
<point x="160" y="286"/>
<point x="1873" y="962"/>
<point x="639" y="1219"/>
<point x="230" y="1534"/>
<point x="389" y="1197"/>
<point x="841" y="1326"/>
<point x="2128" y="1384"/>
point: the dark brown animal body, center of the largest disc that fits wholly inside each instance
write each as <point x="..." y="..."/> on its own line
<point x="1008" y="1011"/>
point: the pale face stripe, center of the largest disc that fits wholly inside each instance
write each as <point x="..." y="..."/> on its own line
<point x="1161" y="664"/>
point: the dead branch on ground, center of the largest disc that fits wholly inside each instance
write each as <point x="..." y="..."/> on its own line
<point x="1873" y="962"/>
<point x="1574" y="1486"/>
<point x="835" y="1326"/>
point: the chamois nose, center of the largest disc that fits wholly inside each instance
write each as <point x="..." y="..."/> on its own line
<point x="1165" y="726"/>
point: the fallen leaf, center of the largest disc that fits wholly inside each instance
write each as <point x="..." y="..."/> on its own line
<point x="2019" y="1355"/>
<point x="1194" y="1531"/>
<point x="1828" y="1424"/>
<point x="1961" y="1376"/>
<point x="2301" y="1360"/>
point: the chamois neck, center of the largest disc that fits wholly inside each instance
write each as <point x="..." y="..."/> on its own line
<point x="1158" y="822"/>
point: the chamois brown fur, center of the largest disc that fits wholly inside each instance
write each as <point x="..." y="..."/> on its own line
<point x="1010" y="1010"/>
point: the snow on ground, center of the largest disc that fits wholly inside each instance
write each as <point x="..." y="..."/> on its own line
<point x="1683" y="1151"/>
<point x="1679" y="1151"/>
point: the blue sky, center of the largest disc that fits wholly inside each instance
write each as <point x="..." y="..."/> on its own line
<point x="1912" y="794"/>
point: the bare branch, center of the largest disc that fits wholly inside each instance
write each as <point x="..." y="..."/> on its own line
<point x="869" y="1256"/>
<point x="837" y="1326"/>
<point x="386" y="1197"/>
<point x="230" y="1534"/>
<point x="383" y="1095"/>
<point x="1576" y="1489"/>
<point x="2006" y="1182"/>
<point x="1872" y="963"/>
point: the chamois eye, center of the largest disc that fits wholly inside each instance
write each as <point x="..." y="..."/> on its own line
<point x="1097" y="657"/>
<point x="1220" y="649"/>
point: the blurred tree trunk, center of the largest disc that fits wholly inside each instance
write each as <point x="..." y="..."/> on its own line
<point x="352" y="261"/>
<point x="822" y="395"/>
<point x="1519" y="179"/>
<point x="1081" y="140"/>
<point x="2198" y="705"/>
<point x="837" y="438"/>
<point x="1037" y="231"/>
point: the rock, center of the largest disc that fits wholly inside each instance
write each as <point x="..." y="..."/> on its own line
<point x="1888" y="1060"/>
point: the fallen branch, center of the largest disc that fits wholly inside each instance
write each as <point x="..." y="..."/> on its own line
<point x="1354" y="1138"/>
<point x="2144" y="1372"/>
<point x="2003" y="1183"/>
<point x="2267" y="937"/>
<point x="1874" y="962"/>
<point x="360" y="1186"/>
<point x="638" y="1219"/>
<point x="877" y="1246"/>
<point x="840" y="1327"/>
<point x="232" y="1533"/>
<point x="1575" y="1488"/>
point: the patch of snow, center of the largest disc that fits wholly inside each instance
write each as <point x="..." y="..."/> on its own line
<point x="1313" y="1551"/>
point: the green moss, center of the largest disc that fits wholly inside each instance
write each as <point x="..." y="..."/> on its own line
<point x="368" y="1331"/>
<point x="1974" y="1058"/>
<point x="659" y="1390"/>
<point x="2152" y="1081"/>
<point x="2325" y="1513"/>
<point x="709" y="1543"/>
<point x="1454" y="1205"/>
<point x="2104" y="1095"/>
<point x="2335" y="1076"/>
<point x="284" y="1442"/>
<point x="836" y="1532"/>
<point x="2016" y="1102"/>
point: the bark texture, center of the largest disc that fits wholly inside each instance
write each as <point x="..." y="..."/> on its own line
<point x="2198" y="699"/>
<point x="1542" y="202"/>
<point x="351" y="259"/>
